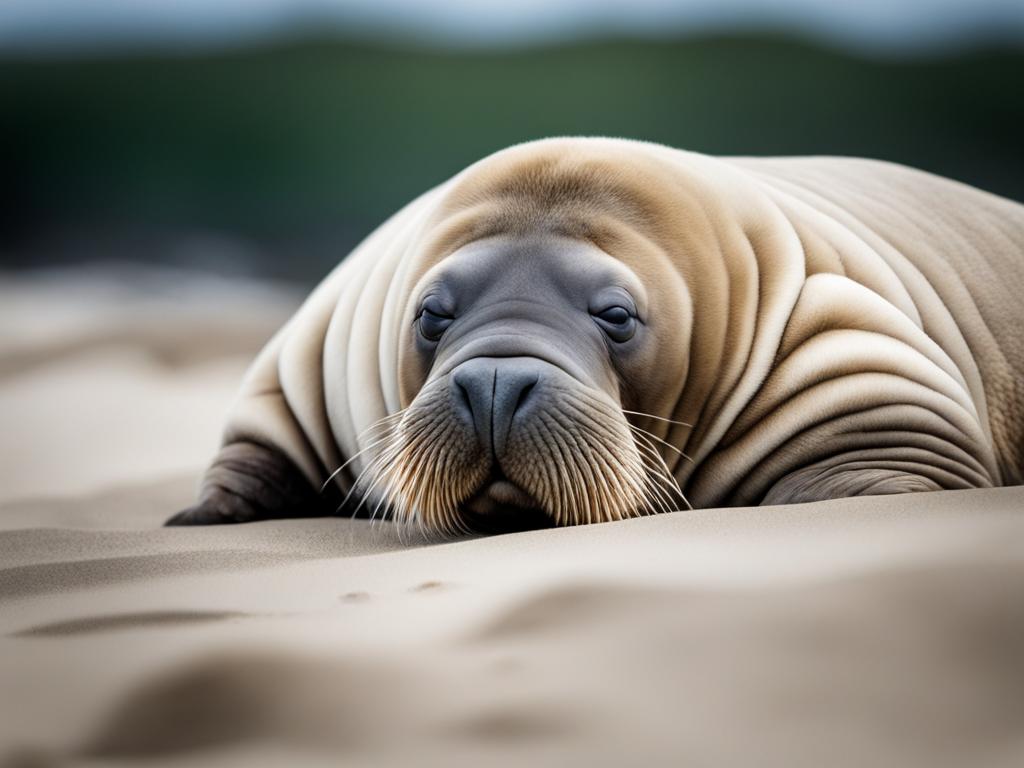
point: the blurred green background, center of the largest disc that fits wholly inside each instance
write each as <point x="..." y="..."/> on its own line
<point x="277" y="156"/>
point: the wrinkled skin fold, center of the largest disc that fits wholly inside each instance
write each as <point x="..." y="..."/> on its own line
<point x="582" y="330"/>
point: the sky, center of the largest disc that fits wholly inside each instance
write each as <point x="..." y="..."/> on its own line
<point x="880" y="25"/>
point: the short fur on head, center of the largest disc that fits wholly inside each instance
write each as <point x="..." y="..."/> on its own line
<point x="582" y="330"/>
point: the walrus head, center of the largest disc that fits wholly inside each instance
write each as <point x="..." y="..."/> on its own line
<point x="521" y="359"/>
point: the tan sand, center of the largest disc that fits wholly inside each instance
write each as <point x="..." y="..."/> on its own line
<point x="119" y="373"/>
<point x="860" y="632"/>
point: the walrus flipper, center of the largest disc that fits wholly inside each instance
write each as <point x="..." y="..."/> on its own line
<point x="248" y="482"/>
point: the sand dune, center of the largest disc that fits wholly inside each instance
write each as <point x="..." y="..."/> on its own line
<point x="115" y="374"/>
<point x="883" y="632"/>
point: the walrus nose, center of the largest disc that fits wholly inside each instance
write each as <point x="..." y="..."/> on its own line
<point x="489" y="392"/>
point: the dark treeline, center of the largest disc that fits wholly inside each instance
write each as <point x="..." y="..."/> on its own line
<point x="283" y="157"/>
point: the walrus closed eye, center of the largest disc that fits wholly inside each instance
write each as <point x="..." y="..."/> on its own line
<point x="585" y="330"/>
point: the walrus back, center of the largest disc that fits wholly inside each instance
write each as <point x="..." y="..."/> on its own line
<point x="956" y="249"/>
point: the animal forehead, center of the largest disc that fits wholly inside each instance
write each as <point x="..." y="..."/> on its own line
<point x="532" y="268"/>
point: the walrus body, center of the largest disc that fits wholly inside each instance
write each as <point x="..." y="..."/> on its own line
<point x="576" y="330"/>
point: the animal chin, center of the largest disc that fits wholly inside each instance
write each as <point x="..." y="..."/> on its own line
<point x="500" y="505"/>
<point x="501" y="492"/>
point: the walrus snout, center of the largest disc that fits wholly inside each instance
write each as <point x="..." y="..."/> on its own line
<point x="488" y="394"/>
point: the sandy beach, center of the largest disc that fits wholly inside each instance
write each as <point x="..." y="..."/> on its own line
<point x="886" y="631"/>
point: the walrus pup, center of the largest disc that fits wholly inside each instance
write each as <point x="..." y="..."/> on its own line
<point x="581" y="330"/>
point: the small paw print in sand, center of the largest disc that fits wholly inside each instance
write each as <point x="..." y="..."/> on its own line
<point x="355" y="597"/>
<point x="429" y="586"/>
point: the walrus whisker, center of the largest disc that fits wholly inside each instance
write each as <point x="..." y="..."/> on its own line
<point x="380" y="467"/>
<point x="428" y="485"/>
<point x="384" y="421"/>
<point x="414" y="487"/>
<point x="636" y="480"/>
<point x="370" y="467"/>
<point x="660" y="481"/>
<point x="553" y="491"/>
<point x="599" y="479"/>
<point x="449" y="500"/>
<point x="644" y="442"/>
<point x="661" y="470"/>
<point x="384" y="494"/>
<point x="664" y="473"/>
<point x="557" y="482"/>
<point x="629" y="467"/>
<point x="606" y="432"/>
<point x="654" y="504"/>
<point x="656" y="418"/>
<point x="657" y="494"/>
<point x="418" y="484"/>
<point x="355" y="456"/>
<point x="397" y="477"/>
<point x="577" y="430"/>
<point x="392" y="474"/>
<point x="366" y="495"/>
<point x="568" y="485"/>
<point x="653" y="436"/>
<point x="577" y="483"/>
<point x="653" y="490"/>
<point x="388" y="459"/>
<point x="605" y="403"/>
<point x="587" y="413"/>
<point x="585" y="501"/>
<point x="382" y="457"/>
<point x="664" y="484"/>
<point x="613" y="470"/>
<point x="576" y="501"/>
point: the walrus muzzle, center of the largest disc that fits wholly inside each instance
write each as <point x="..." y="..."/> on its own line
<point x="504" y="443"/>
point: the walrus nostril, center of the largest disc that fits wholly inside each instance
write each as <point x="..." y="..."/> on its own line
<point x="513" y="387"/>
<point x="489" y="392"/>
<point x="472" y="389"/>
<point x="461" y="400"/>
<point x="523" y="394"/>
